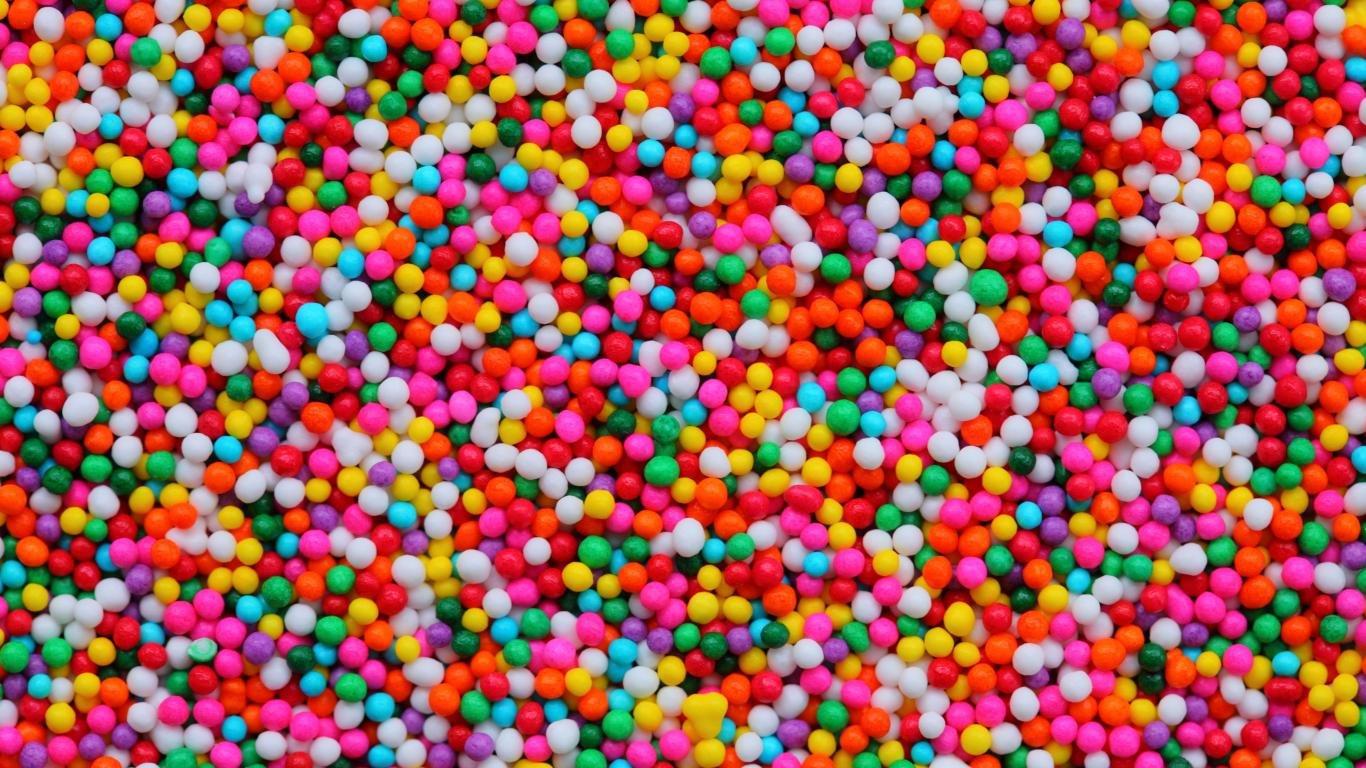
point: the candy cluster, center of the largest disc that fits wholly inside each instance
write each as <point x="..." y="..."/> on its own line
<point x="700" y="383"/>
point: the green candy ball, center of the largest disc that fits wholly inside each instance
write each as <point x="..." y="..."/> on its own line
<point x="988" y="288"/>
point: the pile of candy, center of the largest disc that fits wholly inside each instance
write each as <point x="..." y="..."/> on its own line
<point x="701" y="383"/>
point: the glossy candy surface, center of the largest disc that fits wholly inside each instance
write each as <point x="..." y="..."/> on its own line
<point x="648" y="383"/>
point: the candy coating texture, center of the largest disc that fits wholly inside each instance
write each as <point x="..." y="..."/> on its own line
<point x="695" y="383"/>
